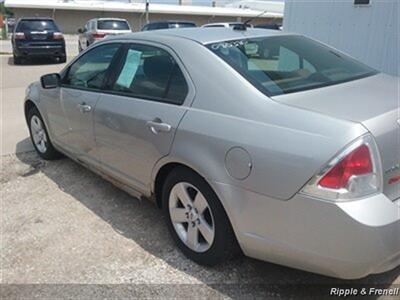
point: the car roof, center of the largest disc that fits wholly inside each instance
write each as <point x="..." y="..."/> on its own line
<point x="36" y="19"/>
<point x="223" y="23"/>
<point x="171" y="21"/>
<point x="109" y="19"/>
<point x="202" y="35"/>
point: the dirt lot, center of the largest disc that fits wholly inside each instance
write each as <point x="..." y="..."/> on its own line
<point x="64" y="229"/>
<point x="61" y="224"/>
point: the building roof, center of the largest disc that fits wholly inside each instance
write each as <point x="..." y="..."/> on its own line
<point x="203" y="35"/>
<point x="138" y="8"/>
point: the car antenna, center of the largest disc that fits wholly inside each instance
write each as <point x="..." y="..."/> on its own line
<point x="244" y="25"/>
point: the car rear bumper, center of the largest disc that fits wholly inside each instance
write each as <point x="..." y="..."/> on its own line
<point x="346" y="240"/>
<point x="34" y="51"/>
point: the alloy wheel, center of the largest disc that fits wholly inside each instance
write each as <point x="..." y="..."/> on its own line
<point x="191" y="217"/>
<point x="39" y="134"/>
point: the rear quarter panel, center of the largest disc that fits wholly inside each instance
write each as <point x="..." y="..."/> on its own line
<point x="283" y="156"/>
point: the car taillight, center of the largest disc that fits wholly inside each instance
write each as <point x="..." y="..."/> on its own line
<point x="356" y="163"/>
<point x="19" y="36"/>
<point x="99" y="35"/>
<point x="354" y="173"/>
<point x="58" y="36"/>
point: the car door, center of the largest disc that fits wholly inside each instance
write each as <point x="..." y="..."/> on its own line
<point x="80" y="91"/>
<point x="137" y="116"/>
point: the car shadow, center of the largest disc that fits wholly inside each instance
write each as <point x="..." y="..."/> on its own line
<point x="143" y="222"/>
<point x="34" y="62"/>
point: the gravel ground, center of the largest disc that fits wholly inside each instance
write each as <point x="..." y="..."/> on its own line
<point x="62" y="224"/>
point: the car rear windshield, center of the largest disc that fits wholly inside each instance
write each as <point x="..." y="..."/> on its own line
<point x="182" y="25"/>
<point x="37" y="25"/>
<point x="112" y="25"/>
<point x="286" y="64"/>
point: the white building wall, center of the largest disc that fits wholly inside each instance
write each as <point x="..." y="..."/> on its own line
<point x="369" y="33"/>
<point x="261" y="5"/>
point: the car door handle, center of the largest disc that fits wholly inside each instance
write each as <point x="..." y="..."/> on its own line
<point x="84" y="108"/>
<point x="157" y="126"/>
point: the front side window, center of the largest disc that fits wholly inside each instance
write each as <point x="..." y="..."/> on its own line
<point x="151" y="73"/>
<point x="286" y="64"/>
<point x="89" y="71"/>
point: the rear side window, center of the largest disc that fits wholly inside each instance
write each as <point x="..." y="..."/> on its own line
<point x="92" y="25"/>
<point x="151" y="73"/>
<point x="89" y="71"/>
<point x="37" y="25"/>
<point x="112" y="25"/>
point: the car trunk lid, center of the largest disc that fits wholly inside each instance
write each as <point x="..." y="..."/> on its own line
<point x="373" y="102"/>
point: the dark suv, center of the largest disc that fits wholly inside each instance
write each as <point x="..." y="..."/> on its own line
<point x="168" y="24"/>
<point x="37" y="37"/>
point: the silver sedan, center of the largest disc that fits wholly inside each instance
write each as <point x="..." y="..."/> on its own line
<point x="250" y="140"/>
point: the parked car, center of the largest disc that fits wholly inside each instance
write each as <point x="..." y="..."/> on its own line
<point x="227" y="25"/>
<point x="168" y="24"/>
<point x="274" y="26"/>
<point x="10" y="24"/>
<point x="266" y="142"/>
<point x="37" y="37"/>
<point x="97" y="29"/>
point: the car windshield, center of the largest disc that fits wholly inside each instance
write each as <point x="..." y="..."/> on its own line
<point x="112" y="25"/>
<point x="182" y="25"/>
<point x="37" y="25"/>
<point x="286" y="64"/>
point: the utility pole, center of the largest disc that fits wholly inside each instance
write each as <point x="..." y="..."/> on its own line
<point x="147" y="11"/>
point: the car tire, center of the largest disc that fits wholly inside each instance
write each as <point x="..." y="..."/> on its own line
<point x="214" y="240"/>
<point x="17" y="60"/>
<point x="39" y="136"/>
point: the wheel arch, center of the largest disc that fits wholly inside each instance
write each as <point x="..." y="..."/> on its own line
<point x="28" y="105"/>
<point x="161" y="172"/>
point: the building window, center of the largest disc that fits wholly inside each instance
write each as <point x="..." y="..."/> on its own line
<point x="361" y="2"/>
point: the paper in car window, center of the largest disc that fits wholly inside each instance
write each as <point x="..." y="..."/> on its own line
<point x="130" y="68"/>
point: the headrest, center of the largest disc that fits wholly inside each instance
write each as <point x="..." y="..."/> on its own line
<point x="158" y="67"/>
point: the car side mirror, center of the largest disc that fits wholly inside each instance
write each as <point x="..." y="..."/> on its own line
<point x="50" y="81"/>
<point x="80" y="30"/>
